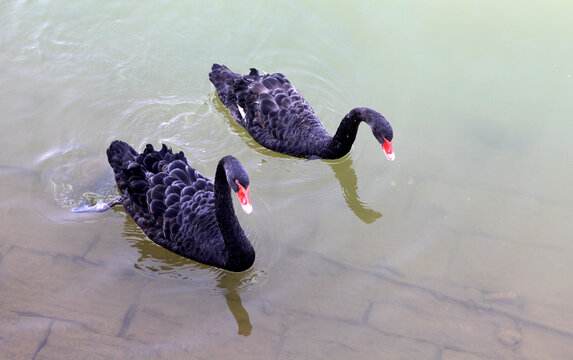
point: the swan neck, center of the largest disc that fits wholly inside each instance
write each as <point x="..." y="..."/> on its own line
<point x="342" y="141"/>
<point x="239" y="250"/>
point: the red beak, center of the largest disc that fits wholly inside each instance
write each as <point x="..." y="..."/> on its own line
<point x="387" y="146"/>
<point x="243" y="195"/>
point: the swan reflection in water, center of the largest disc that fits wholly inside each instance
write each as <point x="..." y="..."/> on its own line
<point x="346" y="176"/>
<point x="157" y="261"/>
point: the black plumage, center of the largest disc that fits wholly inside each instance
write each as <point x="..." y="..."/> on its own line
<point x="276" y="115"/>
<point x="180" y="209"/>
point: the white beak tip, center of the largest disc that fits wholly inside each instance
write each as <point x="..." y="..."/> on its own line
<point x="248" y="208"/>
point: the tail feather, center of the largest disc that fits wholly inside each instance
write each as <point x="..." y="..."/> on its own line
<point x="129" y="174"/>
<point x="226" y="82"/>
<point x="221" y="75"/>
<point x="119" y="155"/>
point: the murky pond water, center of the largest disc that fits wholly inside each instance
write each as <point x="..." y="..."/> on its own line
<point x="459" y="249"/>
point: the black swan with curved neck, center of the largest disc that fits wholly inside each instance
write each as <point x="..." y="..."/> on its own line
<point x="180" y="209"/>
<point x="276" y="115"/>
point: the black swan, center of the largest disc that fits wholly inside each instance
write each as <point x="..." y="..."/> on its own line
<point x="180" y="209"/>
<point x="276" y="115"/>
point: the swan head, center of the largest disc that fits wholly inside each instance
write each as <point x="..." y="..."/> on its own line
<point x="381" y="129"/>
<point x="238" y="180"/>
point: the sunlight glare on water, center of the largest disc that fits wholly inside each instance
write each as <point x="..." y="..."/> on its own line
<point x="460" y="248"/>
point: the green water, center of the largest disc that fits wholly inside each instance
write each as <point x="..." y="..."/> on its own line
<point x="459" y="249"/>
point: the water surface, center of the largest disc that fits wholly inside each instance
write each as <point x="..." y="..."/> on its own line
<point x="459" y="249"/>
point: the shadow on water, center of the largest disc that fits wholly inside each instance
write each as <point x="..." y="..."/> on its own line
<point x="156" y="261"/>
<point x="342" y="168"/>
